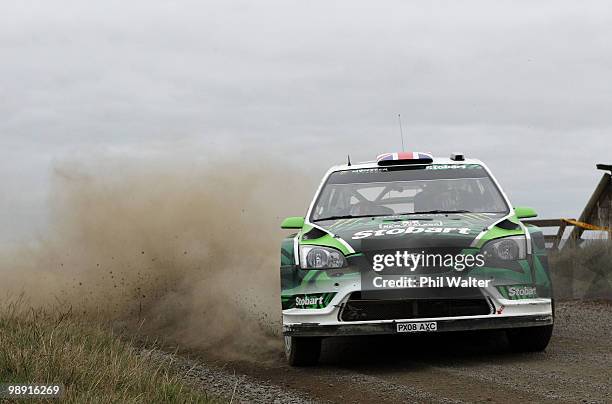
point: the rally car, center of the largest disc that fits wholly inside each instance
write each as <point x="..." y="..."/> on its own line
<point x="410" y="243"/>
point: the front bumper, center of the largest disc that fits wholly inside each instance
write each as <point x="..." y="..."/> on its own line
<point x="389" y="327"/>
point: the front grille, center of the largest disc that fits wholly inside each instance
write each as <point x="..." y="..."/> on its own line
<point x="358" y="309"/>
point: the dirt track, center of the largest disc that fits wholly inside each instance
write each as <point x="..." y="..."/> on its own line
<point x="464" y="367"/>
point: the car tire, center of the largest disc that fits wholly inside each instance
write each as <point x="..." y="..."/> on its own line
<point x="302" y="351"/>
<point x="530" y="339"/>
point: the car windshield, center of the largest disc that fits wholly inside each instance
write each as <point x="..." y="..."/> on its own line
<point x="385" y="191"/>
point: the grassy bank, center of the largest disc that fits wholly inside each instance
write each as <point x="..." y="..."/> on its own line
<point x="95" y="365"/>
<point x="584" y="271"/>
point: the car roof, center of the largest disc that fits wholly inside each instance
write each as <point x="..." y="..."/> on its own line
<point x="374" y="164"/>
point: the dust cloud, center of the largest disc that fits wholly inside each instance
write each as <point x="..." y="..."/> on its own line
<point x="189" y="251"/>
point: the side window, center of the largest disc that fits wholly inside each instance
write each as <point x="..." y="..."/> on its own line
<point x="325" y="202"/>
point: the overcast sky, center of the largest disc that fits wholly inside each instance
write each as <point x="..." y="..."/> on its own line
<point x="524" y="86"/>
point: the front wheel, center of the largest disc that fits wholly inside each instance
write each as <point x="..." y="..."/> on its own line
<point x="302" y="351"/>
<point x="529" y="339"/>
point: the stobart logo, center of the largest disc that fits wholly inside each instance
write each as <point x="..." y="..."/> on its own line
<point x="522" y="291"/>
<point x="409" y="230"/>
<point x="308" y="301"/>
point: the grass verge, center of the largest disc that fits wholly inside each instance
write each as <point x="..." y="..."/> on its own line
<point x="584" y="271"/>
<point x="96" y="365"/>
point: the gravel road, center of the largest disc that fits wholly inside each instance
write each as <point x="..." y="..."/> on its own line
<point x="448" y="368"/>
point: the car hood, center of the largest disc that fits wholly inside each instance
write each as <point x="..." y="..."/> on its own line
<point x="413" y="231"/>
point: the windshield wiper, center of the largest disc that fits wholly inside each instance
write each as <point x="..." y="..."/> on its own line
<point x="440" y="211"/>
<point x="394" y="214"/>
<point x="346" y="217"/>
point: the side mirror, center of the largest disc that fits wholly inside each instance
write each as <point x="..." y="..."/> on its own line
<point x="523" y="212"/>
<point x="293" y="222"/>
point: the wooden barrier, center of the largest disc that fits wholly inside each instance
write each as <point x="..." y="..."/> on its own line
<point x="555" y="239"/>
<point x="562" y="224"/>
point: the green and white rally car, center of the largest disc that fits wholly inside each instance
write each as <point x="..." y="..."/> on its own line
<point x="411" y="243"/>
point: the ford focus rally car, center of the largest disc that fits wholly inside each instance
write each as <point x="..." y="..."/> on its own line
<point x="411" y="243"/>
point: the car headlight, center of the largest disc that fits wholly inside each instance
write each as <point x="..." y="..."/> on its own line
<point x="506" y="249"/>
<point x="315" y="257"/>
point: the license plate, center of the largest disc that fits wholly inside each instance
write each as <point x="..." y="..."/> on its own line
<point x="417" y="327"/>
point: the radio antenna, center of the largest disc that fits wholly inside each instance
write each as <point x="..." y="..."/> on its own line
<point x="399" y="119"/>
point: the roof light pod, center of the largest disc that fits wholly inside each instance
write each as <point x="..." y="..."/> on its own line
<point x="457" y="156"/>
<point x="388" y="159"/>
